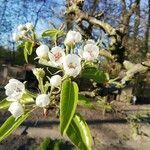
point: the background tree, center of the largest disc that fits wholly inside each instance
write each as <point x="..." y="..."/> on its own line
<point x="116" y="23"/>
<point x="147" y="32"/>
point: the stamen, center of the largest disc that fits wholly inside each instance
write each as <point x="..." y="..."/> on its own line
<point x="71" y="65"/>
<point x="57" y="56"/>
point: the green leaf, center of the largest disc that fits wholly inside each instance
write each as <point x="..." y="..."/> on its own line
<point x="26" y="55"/>
<point x="10" y="125"/>
<point x="79" y="133"/>
<point x="95" y="74"/>
<point x="29" y="47"/>
<point x="85" y="102"/>
<point x="53" y="33"/>
<point x="21" y="45"/>
<point x="68" y="103"/>
<point x="4" y="104"/>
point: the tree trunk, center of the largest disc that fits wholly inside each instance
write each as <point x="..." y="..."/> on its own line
<point x="137" y="20"/>
<point x="147" y="32"/>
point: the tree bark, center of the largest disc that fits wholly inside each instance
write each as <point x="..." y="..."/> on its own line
<point x="137" y="20"/>
<point x="147" y="32"/>
<point x="117" y="35"/>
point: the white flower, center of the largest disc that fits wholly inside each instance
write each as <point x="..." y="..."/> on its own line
<point x="23" y="32"/>
<point x="42" y="51"/>
<point x="42" y="100"/>
<point x="90" y="52"/>
<point x="73" y="37"/>
<point x="21" y="27"/>
<point x="16" y="109"/>
<point x="72" y="65"/>
<point x="14" y="90"/>
<point x="56" y="56"/>
<point x="29" y="25"/>
<point x="55" y="80"/>
<point x="15" y="37"/>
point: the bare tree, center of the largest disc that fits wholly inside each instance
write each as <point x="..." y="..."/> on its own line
<point x="117" y="34"/>
<point x="137" y="20"/>
<point x="147" y="32"/>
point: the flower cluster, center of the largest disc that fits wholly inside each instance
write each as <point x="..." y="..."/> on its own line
<point x="70" y="62"/>
<point x="23" y="29"/>
<point x="14" y="91"/>
<point x="68" y="59"/>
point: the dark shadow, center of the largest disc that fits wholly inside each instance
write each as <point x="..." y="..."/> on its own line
<point x="142" y="100"/>
<point x="51" y="123"/>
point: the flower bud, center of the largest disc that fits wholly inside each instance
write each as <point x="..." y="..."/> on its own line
<point x="42" y="51"/>
<point x="55" y="80"/>
<point x="21" y="27"/>
<point x="29" y="26"/>
<point x="42" y="100"/>
<point x="16" y="109"/>
<point x="23" y="33"/>
<point x="39" y="72"/>
<point x="15" y="37"/>
<point x="73" y="37"/>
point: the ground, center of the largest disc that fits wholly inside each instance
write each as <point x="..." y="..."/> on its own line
<point x="109" y="132"/>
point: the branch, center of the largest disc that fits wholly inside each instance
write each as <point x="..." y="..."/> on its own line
<point x="37" y="15"/>
<point x="126" y="14"/>
<point x="132" y="9"/>
<point x="124" y="5"/>
<point x="115" y="35"/>
<point x="107" y="28"/>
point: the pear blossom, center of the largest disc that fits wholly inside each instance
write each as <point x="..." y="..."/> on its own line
<point x="21" y="27"/>
<point x="16" y="109"/>
<point x="55" y="80"/>
<point x="23" y="33"/>
<point x="42" y="100"/>
<point x="29" y="25"/>
<point x="72" y="65"/>
<point x="90" y="52"/>
<point x="42" y="51"/>
<point x="15" y="37"/>
<point x="73" y="37"/>
<point x="14" y="90"/>
<point x="56" y="56"/>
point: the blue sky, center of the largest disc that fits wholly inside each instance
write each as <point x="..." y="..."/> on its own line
<point x="15" y="12"/>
